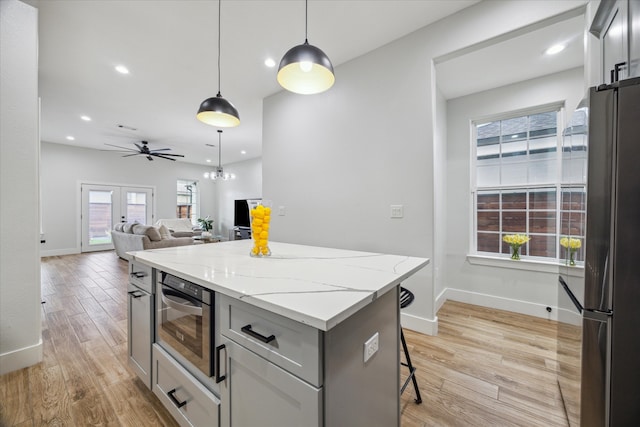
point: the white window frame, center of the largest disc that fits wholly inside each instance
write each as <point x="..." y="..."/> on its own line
<point x="476" y="255"/>
<point x="195" y="213"/>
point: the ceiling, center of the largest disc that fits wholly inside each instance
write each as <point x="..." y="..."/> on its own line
<point x="170" y="48"/>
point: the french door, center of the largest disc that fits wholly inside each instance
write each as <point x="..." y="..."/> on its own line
<point x="105" y="205"/>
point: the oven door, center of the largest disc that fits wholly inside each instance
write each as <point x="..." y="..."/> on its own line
<point x="184" y="329"/>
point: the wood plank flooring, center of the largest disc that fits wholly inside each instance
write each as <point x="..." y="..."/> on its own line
<point x="485" y="368"/>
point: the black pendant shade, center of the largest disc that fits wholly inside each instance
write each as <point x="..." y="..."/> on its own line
<point x="217" y="111"/>
<point x="305" y="69"/>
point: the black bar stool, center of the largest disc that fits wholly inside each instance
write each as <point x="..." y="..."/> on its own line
<point x="406" y="298"/>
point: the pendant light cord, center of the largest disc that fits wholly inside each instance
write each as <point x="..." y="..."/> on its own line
<point x="219" y="31"/>
<point x="219" y="149"/>
<point x="306" y="18"/>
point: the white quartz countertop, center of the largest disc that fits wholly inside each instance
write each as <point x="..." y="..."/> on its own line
<point x="313" y="285"/>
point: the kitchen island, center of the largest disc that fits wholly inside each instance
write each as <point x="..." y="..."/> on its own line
<point x="307" y="336"/>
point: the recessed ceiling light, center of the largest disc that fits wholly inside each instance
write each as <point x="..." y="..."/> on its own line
<point x="208" y="160"/>
<point x="243" y="152"/>
<point x="122" y="69"/>
<point x="86" y="118"/>
<point x="269" y="62"/>
<point x="556" y="48"/>
<point x="71" y="138"/>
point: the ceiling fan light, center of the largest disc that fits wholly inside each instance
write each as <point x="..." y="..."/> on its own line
<point x="306" y="70"/>
<point x="219" y="112"/>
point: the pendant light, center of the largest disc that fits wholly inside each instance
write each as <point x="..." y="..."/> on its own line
<point x="219" y="173"/>
<point x="305" y="69"/>
<point x="217" y="111"/>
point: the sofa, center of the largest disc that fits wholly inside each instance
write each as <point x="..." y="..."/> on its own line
<point x="179" y="227"/>
<point x="128" y="237"/>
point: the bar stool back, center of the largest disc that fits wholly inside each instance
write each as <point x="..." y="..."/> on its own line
<point x="406" y="298"/>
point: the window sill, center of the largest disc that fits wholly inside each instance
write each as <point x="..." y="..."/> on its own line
<point x="524" y="264"/>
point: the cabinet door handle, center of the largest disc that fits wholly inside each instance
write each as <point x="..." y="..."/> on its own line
<point x="136" y="294"/>
<point x="247" y="330"/>
<point x="138" y="274"/>
<point x="219" y="378"/>
<point x="617" y="67"/>
<point x="176" y="401"/>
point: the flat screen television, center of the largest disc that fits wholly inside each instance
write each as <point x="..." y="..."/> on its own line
<point x="241" y="212"/>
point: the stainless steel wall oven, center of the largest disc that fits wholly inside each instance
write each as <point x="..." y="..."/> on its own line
<point x="185" y="324"/>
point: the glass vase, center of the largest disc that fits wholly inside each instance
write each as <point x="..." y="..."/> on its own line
<point x="260" y="224"/>
<point x="572" y="257"/>
<point x="515" y="253"/>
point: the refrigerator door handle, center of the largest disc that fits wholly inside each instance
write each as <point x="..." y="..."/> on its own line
<point x="600" y="316"/>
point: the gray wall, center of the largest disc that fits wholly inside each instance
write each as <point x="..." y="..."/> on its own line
<point x="337" y="161"/>
<point x="20" y="324"/>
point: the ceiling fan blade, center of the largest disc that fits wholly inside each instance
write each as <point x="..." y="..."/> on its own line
<point x="160" y="149"/>
<point x="162" y="156"/>
<point x="129" y="155"/>
<point x="138" y="145"/>
<point x="150" y="158"/>
<point x="167" y="154"/>
<point x="119" y="146"/>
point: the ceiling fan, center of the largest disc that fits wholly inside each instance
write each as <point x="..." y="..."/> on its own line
<point x="145" y="151"/>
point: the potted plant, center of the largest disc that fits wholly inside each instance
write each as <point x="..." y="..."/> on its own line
<point x="207" y="225"/>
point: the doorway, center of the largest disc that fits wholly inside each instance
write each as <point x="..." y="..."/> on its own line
<point x="105" y="205"/>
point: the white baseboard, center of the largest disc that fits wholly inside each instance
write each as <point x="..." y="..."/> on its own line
<point x="500" y="303"/>
<point x="419" y="324"/>
<point x="21" y="358"/>
<point x="59" y="252"/>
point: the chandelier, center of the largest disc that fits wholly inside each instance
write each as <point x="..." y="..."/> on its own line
<point x="219" y="173"/>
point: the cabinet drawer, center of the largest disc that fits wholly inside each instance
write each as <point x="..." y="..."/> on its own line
<point x="141" y="275"/>
<point x="200" y="408"/>
<point x="292" y="345"/>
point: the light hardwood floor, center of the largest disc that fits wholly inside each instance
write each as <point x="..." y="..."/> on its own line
<point x="485" y="368"/>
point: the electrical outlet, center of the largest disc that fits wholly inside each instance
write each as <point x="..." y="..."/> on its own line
<point x="281" y="211"/>
<point x="371" y="347"/>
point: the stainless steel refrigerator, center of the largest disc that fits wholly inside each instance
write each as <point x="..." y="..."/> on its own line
<point x="606" y="371"/>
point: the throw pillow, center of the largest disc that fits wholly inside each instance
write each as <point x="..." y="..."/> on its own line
<point x="164" y="232"/>
<point x="128" y="227"/>
<point x="147" y="230"/>
<point x="118" y="226"/>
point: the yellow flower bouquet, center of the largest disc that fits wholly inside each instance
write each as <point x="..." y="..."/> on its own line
<point x="515" y="241"/>
<point x="572" y="245"/>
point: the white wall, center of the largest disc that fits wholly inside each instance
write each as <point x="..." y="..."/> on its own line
<point x="502" y="286"/>
<point x="20" y="321"/>
<point x="247" y="185"/>
<point x="64" y="168"/>
<point x="338" y="160"/>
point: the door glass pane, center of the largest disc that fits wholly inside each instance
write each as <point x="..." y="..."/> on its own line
<point x="100" y="217"/>
<point x="136" y="207"/>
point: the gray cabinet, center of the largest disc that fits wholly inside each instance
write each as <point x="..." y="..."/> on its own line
<point x="617" y="25"/>
<point x="140" y="320"/>
<point x="256" y="392"/>
<point x="188" y="401"/>
<point x="634" y="38"/>
<point x="279" y="372"/>
<point x="273" y="369"/>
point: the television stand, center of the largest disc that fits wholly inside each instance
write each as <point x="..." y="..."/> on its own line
<point x="240" y="233"/>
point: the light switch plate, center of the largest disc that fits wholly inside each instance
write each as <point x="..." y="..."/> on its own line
<point x="397" y="211"/>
